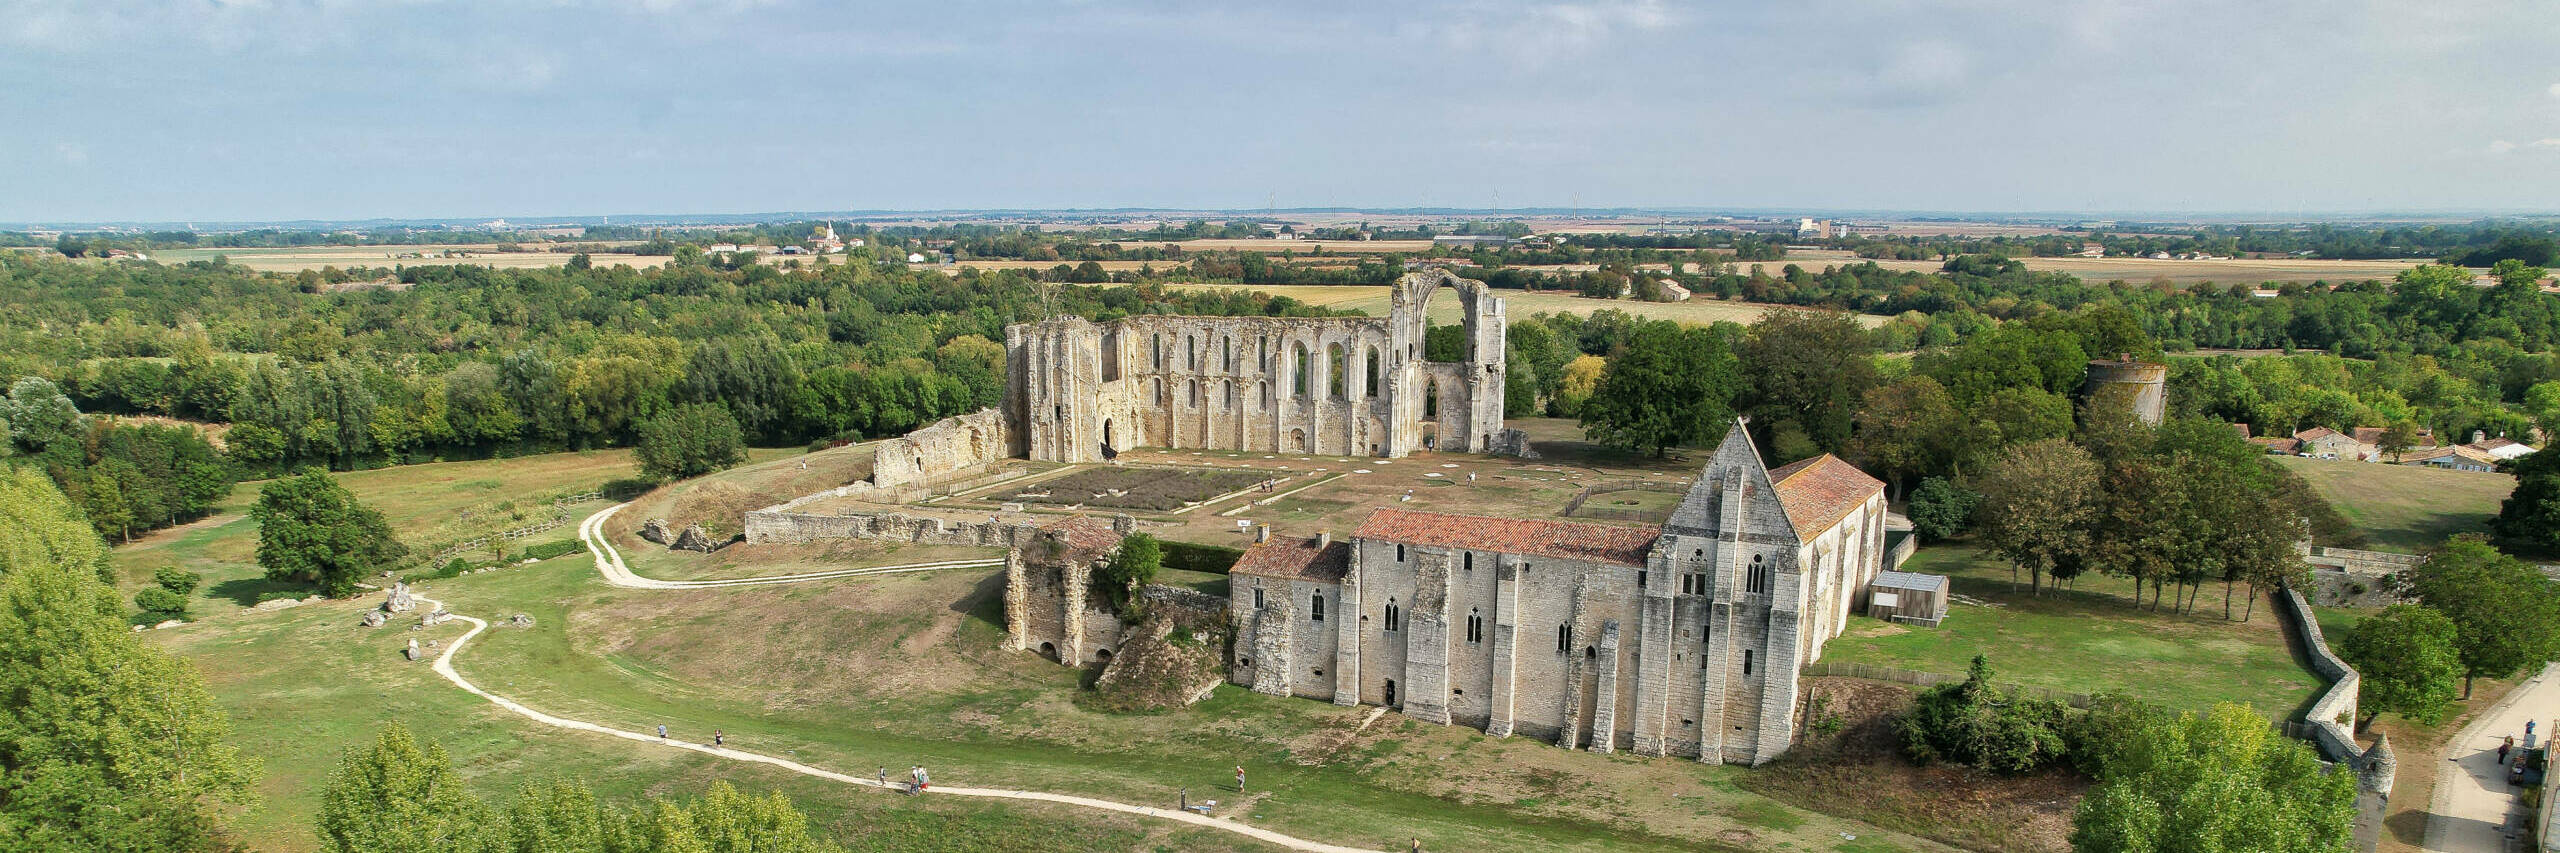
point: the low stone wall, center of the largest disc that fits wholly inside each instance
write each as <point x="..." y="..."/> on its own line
<point x="1901" y="550"/>
<point x="2346" y="577"/>
<point x="778" y="527"/>
<point x="2336" y="741"/>
<point x="2375" y="768"/>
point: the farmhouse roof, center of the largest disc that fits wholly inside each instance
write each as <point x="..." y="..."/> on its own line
<point x="1571" y="540"/>
<point x="2314" y="434"/>
<point x="1818" y="492"/>
<point x="1298" y="557"/>
<point x="2242" y="429"/>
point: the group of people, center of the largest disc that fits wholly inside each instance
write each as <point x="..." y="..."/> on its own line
<point x="917" y="779"/>
<point x="718" y="738"/>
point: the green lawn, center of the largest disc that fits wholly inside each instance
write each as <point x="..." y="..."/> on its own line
<point x="2405" y="507"/>
<point x="2090" y="639"/>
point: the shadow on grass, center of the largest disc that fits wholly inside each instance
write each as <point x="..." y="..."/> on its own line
<point x="246" y="591"/>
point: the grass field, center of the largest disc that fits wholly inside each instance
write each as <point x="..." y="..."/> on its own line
<point x="2089" y="639"/>
<point x="1372" y="300"/>
<point x="413" y="498"/>
<point x="2405" y="507"/>
<point x="876" y="672"/>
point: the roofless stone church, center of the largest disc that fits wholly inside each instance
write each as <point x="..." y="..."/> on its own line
<point x="1683" y="640"/>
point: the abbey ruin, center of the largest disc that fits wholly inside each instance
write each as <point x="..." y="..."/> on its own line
<point x="1079" y="391"/>
<point x="1681" y="639"/>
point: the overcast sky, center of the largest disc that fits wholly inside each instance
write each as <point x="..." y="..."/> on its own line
<point x="274" y="109"/>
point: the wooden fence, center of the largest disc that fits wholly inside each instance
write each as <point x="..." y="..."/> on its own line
<point x="560" y="516"/>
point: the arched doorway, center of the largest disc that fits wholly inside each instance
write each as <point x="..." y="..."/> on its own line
<point x="1108" y="450"/>
<point x="1049" y="650"/>
<point x="1298" y="441"/>
<point x="1391" y="692"/>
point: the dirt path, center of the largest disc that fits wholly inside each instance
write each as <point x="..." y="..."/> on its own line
<point x="609" y="563"/>
<point x="2475" y="810"/>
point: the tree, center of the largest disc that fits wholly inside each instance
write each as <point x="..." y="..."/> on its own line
<point x="312" y="530"/>
<point x="39" y="414"/>
<point x="1810" y="367"/>
<point x="2218" y="782"/>
<point x="2397" y="439"/>
<point x="2530" y="515"/>
<point x="1940" y="509"/>
<point x="105" y="743"/>
<point x="1669" y="386"/>
<point x="38" y="526"/>
<point x="1906" y="429"/>
<point x="689" y="441"/>
<point x="2038" y="503"/>
<point x="397" y="797"/>
<point x="2406" y="655"/>
<point x="1131" y="567"/>
<point x="1581" y="378"/>
<point x="2506" y="615"/>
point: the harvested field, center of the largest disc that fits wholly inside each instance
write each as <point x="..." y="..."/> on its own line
<point x="2142" y="270"/>
<point x="1138" y="488"/>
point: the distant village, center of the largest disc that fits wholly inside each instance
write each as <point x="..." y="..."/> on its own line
<point x="2483" y="453"/>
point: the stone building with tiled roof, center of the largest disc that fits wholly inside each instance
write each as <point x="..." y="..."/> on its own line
<point x="1683" y="639"/>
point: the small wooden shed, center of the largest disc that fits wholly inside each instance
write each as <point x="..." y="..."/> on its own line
<point x="1908" y="597"/>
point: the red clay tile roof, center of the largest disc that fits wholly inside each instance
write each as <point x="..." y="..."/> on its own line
<point x="1295" y="557"/>
<point x="1571" y="540"/>
<point x="1820" y="491"/>
<point x="1086" y="538"/>
<point x="2314" y="434"/>
<point x="2277" y="445"/>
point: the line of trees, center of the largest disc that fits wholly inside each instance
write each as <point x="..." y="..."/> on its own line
<point x="399" y="796"/>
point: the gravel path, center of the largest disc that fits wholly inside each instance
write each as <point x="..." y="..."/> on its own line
<point x="609" y="563"/>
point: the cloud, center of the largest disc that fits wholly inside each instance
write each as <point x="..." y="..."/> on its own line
<point x="72" y="153"/>
<point x="2501" y="146"/>
<point x="2550" y="142"/>
<point x="2555" y="90"/>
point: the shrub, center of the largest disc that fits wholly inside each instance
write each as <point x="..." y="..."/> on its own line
<point x="549" y="550"/>
<point x="1977" y="723"/>
<point x="161" y="603"/>
<point x="817" y="444"/>
<point x="1195" y="557"/>
<point x="176" y="580"/>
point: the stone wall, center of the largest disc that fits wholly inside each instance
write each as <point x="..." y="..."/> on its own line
<point x="2346" y="577"/>
<point x="779" y="527"/>
<point x="950" y="445"/>
<point x="2331" y="715"/>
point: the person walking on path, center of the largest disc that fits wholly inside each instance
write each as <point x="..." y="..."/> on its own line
<point x="662" y="731"/>
<point x="2510" y="743"/>
<point x="1239" y="779"/>
<point x="717" y="738"/>
<point x="884" y="776"/>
